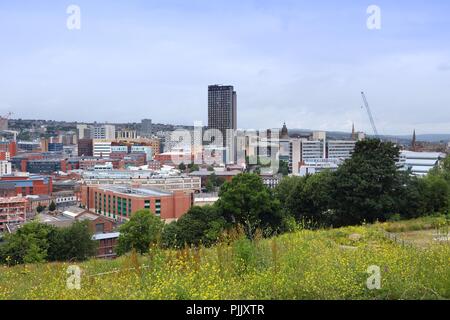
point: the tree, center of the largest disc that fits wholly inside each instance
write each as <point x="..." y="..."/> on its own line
<point x="213" y="182"/>
<point x="71" y="243"/>
<point x="193" y="167"/>
<point x="283" y="168"/>
<point x="52" y="206"/>
<point x="29" y="244"/>
<point x="367" y="186"/>
<point x="247" y="201"/>
<point x="142" y="230"/>
<point x="200" y="225"/>
<point x="40" y="208"/>
<point x="306" y="197"/>
<point x="182" y="167"/>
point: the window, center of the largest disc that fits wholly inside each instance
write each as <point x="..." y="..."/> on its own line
<point x="158" y="207"/>
<point x="100" y="228"/>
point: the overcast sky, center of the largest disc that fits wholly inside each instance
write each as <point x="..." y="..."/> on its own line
<point x="303" y="62"/>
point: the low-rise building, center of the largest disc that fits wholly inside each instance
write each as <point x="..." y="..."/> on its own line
<point x="420" y="163"/>
<point x="107" y="243"/>
<point x="13" y="212"/>
<point x="120" y="202"/>
<point x="144" y="178"/>
<point x="313" y="166"/>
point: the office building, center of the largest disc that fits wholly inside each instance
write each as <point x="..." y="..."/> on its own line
<point x="101" y="148"/>
<point x="55" y="147"/>
<point x="144" y="178"/>
<point x="83" y="131"/>
<point x="120" y="202"/>
<point x="146" y="129"/>
<point x="314" y="149"/>
<point x="103" y="132"/>
<point x="85" y="147"/>
<point x="222" y="115"/>
<point x="340" y="149"/>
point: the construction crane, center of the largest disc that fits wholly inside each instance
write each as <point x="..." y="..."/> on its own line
<point x="370" y="114"/>
<point x="7" y="116"/>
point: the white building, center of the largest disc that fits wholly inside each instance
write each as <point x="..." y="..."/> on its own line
<point x="420" y="163"/>
<point x="313" y="166"/>
<point x="83" y="131"/>
<point x="340" y="149"/>
<point x="105" y="131"/>
<point x="5" y="168"/>
<point x="313" y="150"/>
<point x="101" y="148"/>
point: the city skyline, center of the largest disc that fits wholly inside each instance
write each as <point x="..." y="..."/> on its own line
<point x="297" y="62"/>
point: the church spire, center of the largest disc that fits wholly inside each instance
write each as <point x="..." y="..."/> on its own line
<point x="413" y="143"/>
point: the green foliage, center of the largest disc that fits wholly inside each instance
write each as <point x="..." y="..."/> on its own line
<point x="72" y="243"/>
<point x="52" y="206"/>
<point x="303" y="265"/>
<point x="182" y="167"/>
<point x="140" y="232"/>
<point x="247" y="201"/>
<point x="366" y="187"/>
<point x="28" y="245"/>
<point x="306" y="198"/>
<point x="193" y="167"/>
<point x="199" y="226"/>
<point x="214" y="182"/>
<point x="36" y="242"/>
<point x="283" y="168"/>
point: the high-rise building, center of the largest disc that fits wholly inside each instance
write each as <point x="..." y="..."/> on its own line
<point x="222" y="115"/>
<point x="3" y="124"/>
<point x="146" y="130"/>
<point x="85" y="147"/>
<point x="104" y="132"/>
<point x="83" y="131"/>
<point x="340" y="149"/>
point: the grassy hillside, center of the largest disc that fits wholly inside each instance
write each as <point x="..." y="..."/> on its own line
<point x="325" y="264"/>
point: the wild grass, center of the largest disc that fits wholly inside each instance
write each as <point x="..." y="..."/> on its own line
<point x="322" y="264"/>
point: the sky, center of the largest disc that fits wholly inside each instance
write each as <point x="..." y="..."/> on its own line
<point x="300" y="62"/>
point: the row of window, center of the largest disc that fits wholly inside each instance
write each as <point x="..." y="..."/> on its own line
<point x="113" y="206"/>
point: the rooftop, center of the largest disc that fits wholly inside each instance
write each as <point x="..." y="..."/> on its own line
<point x="139" y="192"/>
<point x="102" y="236"/>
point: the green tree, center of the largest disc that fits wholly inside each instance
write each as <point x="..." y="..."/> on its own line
<point x="182" y="167"/>
<point x="72" y="243"/>
<point x="200" y="225"/>
<point x="29" y="244"/>
<point x="248" y="202"/>
<point x="306" y="198"/>
<point x="367" y="186"/>
<point x="283" y="168"/>
<point x="142" y="230"/>
<point x="193" y="167"/>
<point x="52" y="206"/>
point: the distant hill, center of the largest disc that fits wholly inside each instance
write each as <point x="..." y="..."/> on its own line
<point x="436" y="138"/>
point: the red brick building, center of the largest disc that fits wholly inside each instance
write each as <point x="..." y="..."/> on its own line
<point x="28" y="184"/>
<point x="119" y="202"/>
